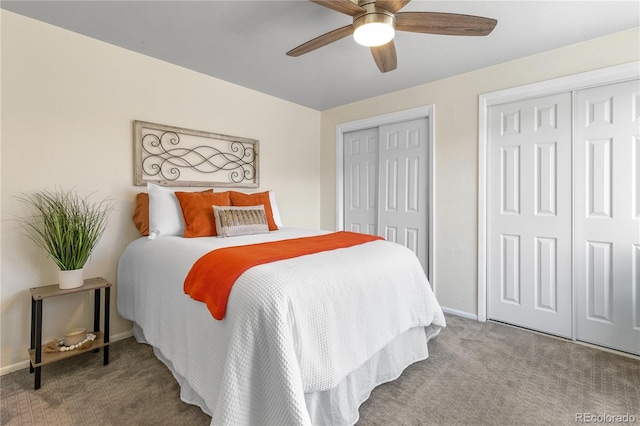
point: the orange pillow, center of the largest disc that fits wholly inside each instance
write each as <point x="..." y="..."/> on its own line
<point x="242" y="199"/>
<point x="197" y="212"/>
<point x="141" y="213"/>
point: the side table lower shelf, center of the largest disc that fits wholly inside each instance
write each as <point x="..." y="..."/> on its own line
<point x="49" y="357"/>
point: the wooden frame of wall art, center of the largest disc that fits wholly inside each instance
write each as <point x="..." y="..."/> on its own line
<point x="174" y="156"/>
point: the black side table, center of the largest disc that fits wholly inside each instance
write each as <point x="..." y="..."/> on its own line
<point x="38" y="294"/>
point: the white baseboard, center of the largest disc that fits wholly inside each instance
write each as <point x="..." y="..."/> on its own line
<point x="460" y="313"/>
<point x="25" y="364"/>
<point x="14" y="367"/>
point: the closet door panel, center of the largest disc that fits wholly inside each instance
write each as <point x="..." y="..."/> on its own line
<point x="529" y="214"/>
<point x="607" y="224"/>
<point x="403" y="215"/>
<point x="361" y="181"/>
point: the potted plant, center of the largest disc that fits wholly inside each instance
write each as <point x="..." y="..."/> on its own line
<point x="67" y="226"/>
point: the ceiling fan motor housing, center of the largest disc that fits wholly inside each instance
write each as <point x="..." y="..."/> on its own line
<point x="373" y="14"/>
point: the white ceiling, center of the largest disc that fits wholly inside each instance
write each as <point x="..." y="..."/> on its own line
<point x="244" y="42"/>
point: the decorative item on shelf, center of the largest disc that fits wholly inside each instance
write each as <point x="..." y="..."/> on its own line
<point x="75" y="336"/>
<point x="61" y="345"/>
<point x="67" y="226"/>
<point x="70" y="279"/>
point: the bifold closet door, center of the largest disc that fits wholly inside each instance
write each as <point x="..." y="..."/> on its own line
<point x="529" y="214"/>
<point x="361" y="181"/>
<point x="607" y="215"/>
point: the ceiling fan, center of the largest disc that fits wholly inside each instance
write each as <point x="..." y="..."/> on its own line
<point x="375" y="23"/>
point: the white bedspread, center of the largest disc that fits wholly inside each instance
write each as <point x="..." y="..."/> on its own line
<point x="292" y="327"/>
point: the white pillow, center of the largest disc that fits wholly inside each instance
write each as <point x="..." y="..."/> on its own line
<point x="165" y="214"/>
<point x="274" y="209"/>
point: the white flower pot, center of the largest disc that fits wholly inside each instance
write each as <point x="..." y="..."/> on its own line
<point x="70" y="279"/>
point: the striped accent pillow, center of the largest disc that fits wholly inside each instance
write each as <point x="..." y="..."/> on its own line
<point x="232" y="221"/>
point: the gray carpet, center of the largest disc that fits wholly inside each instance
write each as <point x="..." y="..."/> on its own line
<point x="477" y="374"/>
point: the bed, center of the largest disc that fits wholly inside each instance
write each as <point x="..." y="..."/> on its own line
<point x="303" y="341"/>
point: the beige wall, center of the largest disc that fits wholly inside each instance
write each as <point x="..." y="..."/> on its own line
<point x="456" y="147"/>
<point x="68" y="103"/>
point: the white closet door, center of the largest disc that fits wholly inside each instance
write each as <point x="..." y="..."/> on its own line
<point x="529" y="214"/>
<point x="361" y="181"/>
<point x="607" y="223"/>
<point x="403" y="200"/>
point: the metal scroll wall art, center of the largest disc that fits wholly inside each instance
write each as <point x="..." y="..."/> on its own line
<point x="173" y="156"/>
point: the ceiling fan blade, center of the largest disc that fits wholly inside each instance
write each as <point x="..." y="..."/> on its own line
<point x="392" y="5"/>
<point x="322" y="40"/>
<point x="444" y="23"/>
<point x="385" y="57"/>
<point x="343" y="6"/>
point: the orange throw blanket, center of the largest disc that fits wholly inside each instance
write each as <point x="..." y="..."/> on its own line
<point x="212" y="276"/>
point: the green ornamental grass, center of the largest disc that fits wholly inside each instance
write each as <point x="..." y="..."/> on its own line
<point x="67" y="226"/>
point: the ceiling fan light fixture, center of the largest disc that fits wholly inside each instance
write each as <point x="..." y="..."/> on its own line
<point x="374" y="34"/>
<point x="375" y="27"/>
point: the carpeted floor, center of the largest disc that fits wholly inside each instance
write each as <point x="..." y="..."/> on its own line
<point x="477" y="374"/>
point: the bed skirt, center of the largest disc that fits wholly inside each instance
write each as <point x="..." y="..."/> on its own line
<point x="339" y="406"/>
